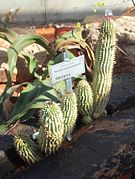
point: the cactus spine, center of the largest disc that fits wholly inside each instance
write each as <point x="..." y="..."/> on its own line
<point x="51" y="129"/>
<point x="93" y="99"/>
<point x="85" y="100"/>
<point x="68" y="106"/>
<point x="27" y="149"/>
<point x="103" y="67"/>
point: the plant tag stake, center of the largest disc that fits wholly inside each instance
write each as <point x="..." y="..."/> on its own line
<point x="67" y="69"/>
<point x="68" y="80"/>
<point x="108" y="12"/>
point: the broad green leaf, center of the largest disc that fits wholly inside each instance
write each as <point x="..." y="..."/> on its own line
<point x="73" y="34"/>
<point x="32" y="98"/>
<point x="8" y="34"/>
<point x="59" y="58"/>
<point x="32" y="62"/>
<point x="3" y="127"/>
<point x="23" y="41"/>
<point x="8" y="92"/>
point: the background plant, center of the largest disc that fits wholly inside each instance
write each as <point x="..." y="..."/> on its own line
<point x="41" y="88"/>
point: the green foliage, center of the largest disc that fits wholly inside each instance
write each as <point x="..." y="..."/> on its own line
<point x="6" y="95"/>
<point x="78" y="42"/>
<point x="30" y="98"/>
<point x="8" y="34"/>
<point x="35" y="93"/>
<point x="18" y="43"/>
<point x="22" y="42"/>
<point x="73" y="34"/>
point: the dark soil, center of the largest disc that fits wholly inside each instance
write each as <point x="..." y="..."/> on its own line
<point x="105" y="149"/>
<point x="82" y="158"/>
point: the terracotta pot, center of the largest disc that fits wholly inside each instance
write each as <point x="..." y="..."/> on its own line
<point x="50" y="33"/>
<point x="47" y="32"/>
<point x="61" y="30"/>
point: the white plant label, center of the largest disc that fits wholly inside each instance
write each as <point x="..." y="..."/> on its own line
<point x="67" y="69"/>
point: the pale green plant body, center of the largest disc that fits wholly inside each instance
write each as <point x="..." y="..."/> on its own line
<point x="52" y="128"/>
<point x="27" y="149"/>
<point x="85" y="100"/>
<point x="102" y="75"/>
<point x="103" y="67"/>
<point x="68" y="106"/>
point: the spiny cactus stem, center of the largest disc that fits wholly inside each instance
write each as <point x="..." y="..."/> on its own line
<point x="52" y="128"/>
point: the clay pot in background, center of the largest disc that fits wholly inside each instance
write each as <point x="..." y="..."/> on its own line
<point x="47" y="32"/>
<point x="61" y="30"/>
<point x="52" y="32"/>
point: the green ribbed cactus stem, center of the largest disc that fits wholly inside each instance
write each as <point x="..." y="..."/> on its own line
<point x="68" y="106"/>
<point x="27" y="149"/>
<point x="103" y="67"/>
<point x="85" y="101"/>
<point x="51" y="130"/>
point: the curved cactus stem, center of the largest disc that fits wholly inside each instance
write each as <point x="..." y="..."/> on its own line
<point x="52" y="128"/>
<point x="68" y="106"/>
<point x="85" y="101"/>
<point x="103" y="67"/>
<point x="27" y="149"/>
